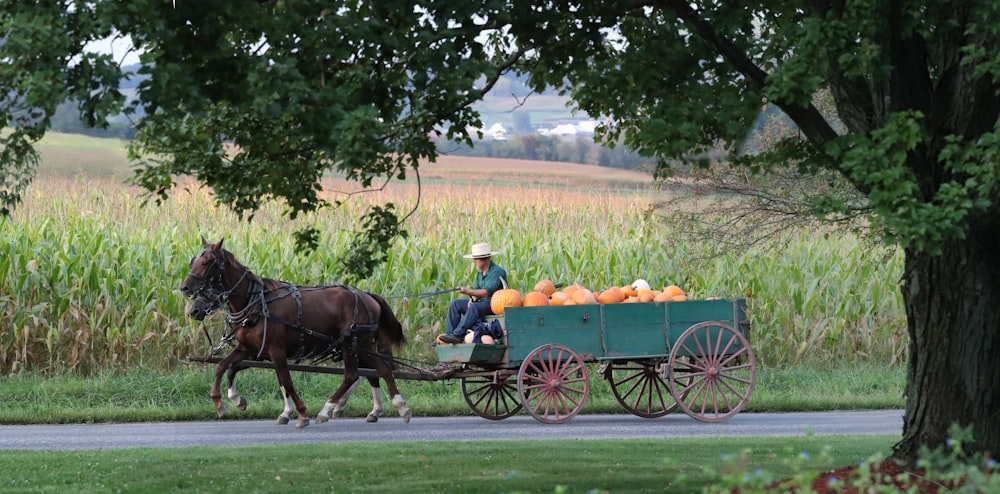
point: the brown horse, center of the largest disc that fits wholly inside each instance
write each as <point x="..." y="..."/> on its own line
<point x="278" y="321"/>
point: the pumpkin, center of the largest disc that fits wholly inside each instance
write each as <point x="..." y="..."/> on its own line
<point x="546" y="287"/>
<point x="608" y="297"/>
<point x="629" y="291"/>
<point x="507" y="297"/>
<point x="535" y="299"/>
<point x="569" y="290"/>
<point x="640" y="284"/>
<point x="673" y="290"/>
<point x="584" y="296"/>
<point x="559" y="298"/>
<point x="662" y="297"/>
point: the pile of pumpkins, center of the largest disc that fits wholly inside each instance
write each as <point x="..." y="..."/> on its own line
<point x="546" y="293"/>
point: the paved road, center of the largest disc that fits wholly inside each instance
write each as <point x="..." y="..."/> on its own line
<point x="256" y="432"/>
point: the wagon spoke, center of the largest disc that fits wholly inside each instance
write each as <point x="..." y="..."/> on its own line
<point x="640" y="389"/>
<point x="553" y="383"/>
<point x="734" y="356"/>
<point x="721" y="389"/>
<point x="491" y="397"/>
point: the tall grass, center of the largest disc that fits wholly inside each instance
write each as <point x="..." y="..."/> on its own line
<point x="88" y="277"/>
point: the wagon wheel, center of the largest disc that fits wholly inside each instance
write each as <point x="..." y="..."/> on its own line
<point x="492" y="397"/>
<point x="641" y="388"/>
<point x="553" y="384"/>
<point x="712" y="371"/>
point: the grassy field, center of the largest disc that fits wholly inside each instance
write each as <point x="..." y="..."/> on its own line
<point x="682" y="465"/>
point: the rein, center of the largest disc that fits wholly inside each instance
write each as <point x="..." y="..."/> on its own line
<point x="424" y="294"/>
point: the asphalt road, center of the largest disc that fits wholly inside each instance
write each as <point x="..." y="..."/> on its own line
<point x="260" y="432"/>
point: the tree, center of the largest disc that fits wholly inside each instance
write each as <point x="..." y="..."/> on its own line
<point x="304" y="87"/>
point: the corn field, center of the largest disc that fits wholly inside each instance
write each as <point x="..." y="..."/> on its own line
<point x="89" y="276"/>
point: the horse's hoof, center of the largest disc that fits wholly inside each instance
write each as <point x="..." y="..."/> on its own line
<point x="321" y="419"/>
<point x="220" y="410"/>
<point x="301" y="423"/>
<point x="338" y="414"/>
<point x="406" y="414"/>
<point x="241" y="404"/>
<point x="371" y="418"/>
<point x="282" y="420"/>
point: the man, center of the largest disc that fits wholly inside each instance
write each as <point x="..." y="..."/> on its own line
<point x="464" y="313"/>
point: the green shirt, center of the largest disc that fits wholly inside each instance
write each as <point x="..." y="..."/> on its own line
<point x="491" y="280"/>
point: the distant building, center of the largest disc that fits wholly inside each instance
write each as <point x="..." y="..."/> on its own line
<point x="497" y="132"/>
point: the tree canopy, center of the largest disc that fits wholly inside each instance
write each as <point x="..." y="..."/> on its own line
<point x="302" y="87"/>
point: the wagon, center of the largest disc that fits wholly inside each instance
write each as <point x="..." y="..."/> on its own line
<point x="657" y="357"/>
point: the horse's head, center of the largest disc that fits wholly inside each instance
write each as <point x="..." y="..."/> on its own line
<point x="203" y="283"/>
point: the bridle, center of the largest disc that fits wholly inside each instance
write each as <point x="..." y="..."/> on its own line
<point x="210" y="294"/>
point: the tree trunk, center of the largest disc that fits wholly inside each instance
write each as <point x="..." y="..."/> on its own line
<point x="953" y="372"/>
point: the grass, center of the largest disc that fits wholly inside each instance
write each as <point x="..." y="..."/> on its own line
<point x="139" y="395"/>
<point x="676" y="466"/>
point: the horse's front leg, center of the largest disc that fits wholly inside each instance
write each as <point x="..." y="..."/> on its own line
<point x="335" y="409"/>
<point x="224" y="366"/>
<point x="288" y="393"/>
<point x="235" y="397"/>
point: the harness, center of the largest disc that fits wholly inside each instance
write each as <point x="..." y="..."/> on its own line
<point x="212" y="292"/>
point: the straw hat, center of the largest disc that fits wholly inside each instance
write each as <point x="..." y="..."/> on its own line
<point x="479" y="251"/>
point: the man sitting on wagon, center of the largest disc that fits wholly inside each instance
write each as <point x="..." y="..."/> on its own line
<point x="463" y="313"/>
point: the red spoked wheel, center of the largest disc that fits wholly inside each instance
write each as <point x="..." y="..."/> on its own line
<point x="712" y="371"/>
<point x="492" y="397"/>
<point x="553" y="384"/>
<point x="641" y="388"/>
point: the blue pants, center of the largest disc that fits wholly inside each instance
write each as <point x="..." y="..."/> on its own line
<point x="462" y="315"/>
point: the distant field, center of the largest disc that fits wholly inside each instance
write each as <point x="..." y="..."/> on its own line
<point x="70" y="155"/>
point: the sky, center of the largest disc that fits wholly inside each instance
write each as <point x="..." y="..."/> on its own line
<point x="118" y="47"/>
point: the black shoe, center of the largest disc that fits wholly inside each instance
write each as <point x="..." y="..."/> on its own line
<point x="450" y="338"/>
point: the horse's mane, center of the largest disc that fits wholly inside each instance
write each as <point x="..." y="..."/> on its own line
<point x="268" y="283"/>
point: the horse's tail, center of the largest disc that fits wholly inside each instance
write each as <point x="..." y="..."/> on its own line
<point x="389" y="327"/>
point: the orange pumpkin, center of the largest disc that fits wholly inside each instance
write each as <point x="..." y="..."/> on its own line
<point x="673" y="290"/>
<point x="558" y="298"/>
<point x="535" y="299"/>
<point x="501" y="299"/>
<point x="546" y="287"/>
<point x="584" y="296"/>
<point x="629" y="291"/>
<point x="608" y="297"/>
<point x="569" y="290"/>
<point x="662" y="297"/>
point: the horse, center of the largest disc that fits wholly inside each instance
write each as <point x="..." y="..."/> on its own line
<point x="277" y="321"/>
<point x="206" y="304"/>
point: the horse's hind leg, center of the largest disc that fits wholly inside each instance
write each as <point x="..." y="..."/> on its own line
<point x="377" y="406"/>
<point x="335" y="409"/>
<point x="397" y="399"/>
<point x="287" y="390"/>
